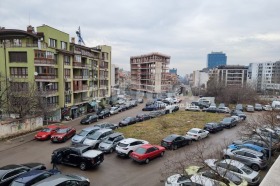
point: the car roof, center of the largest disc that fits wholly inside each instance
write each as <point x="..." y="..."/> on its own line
<point x="146" y="146"/>
<point x="250" y="151"/>
<point x="171" y="136"/>
<point x="103" y="130"/>
<point x="8" y="168"/>
<point x="115" y="134"/>
<point x="232" y="162"/>
<point x="211" y="123"/>
<point x="26" y="177"/>
<point x="195" y="129"/>
<point x="56" y="179"/>
<point x="252" y="145"/>
<point x="90" y="128"/>
<point x="128" y="140"/>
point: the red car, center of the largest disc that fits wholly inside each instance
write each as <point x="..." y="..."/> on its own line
<point x="63" y="134"/>
<point x="46" y="133"/>
<point x="147" y="152"/>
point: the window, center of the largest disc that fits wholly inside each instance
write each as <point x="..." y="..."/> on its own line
<point x="19" y="86"/>
<point x="250" y="155"/>
<point x="19" y="72"/>
<point x="52" y="43"/>
<point x="67" y="60"/>
<point x="63" y="45"/>
<point x="77" y="58"/>
<point x="20" y="57"/>
<point x="241" y="153"/>
<point x="67" y="73"/>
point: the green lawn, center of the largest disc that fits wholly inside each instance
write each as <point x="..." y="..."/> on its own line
<point x="180" y="122"/>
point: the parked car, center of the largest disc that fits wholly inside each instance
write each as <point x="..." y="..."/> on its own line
<point x="213" y="127"/>
<point x="267" y="108"/>
<point x="82" y="156"/>
<point x="63" y="134"/>
<point x="96" y="138"/>
<point x="9" y="172"/>
<point x="180" y="180"/>
<point x="142" y="117"/>
<point x="150" y="108"/>
<point x="210" y="109"/>
<point x="134" y="103"/>
<point x="89" y="119"/>
<point x="174" y="141"/>
<point x="127" y="121"/>
<point x="81" y="136"/>
<point x="64" y="179"/>
<point x="239" y="107"/>
<point x="192" y="108"/>
<point x="197" y="134"/>
<point x="237" y="118"/>
<point x="107" y="126"/>
<point x="250" y="108"/>
<point x="33" y="176"/>
<point x="122" y="108"/>
<point x="176" y="108"/>
<point x="251" y="141"/>
<point x="258" y="107"/>
<point x="104" y="113"/>
<point x="128" y="145"/>
<point x="114" y="110"/>
<point x="255" y="160"/>
<point x="154" y="114"/>
<point x="229" y="122"/>
<point x="221" y="105"/>
<point x="257" y="148"/>
<point x="223" y="110"/>
<point x="237" y="168"/>
<point x="46" y="132"/>
<point x="238" y="113"/>
<point x="110" y="143"/>
<point x="140" y="100"/>
<point x="147" y="152"/>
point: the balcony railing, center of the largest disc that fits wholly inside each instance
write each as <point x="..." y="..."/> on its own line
<point x="45" y="61"/>
<point x="45" y="77"/>
<point x="31" y="45"/>
<point x="78" y="64"/>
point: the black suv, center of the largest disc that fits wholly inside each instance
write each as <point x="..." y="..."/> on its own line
<point x="174" y="141"/>
<point x="79" y="155"/>
<point x="104" y="113"/>
<point x="213" y="127"/>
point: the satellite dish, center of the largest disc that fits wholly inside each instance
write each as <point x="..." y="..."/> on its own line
<point x="35" y="73"/>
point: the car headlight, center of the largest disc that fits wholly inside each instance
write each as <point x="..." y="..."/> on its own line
<point x="87" y="180"/>
<point x="43" y="136"/>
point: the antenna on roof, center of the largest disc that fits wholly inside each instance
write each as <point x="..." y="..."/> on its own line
<point x="79" y="35"/>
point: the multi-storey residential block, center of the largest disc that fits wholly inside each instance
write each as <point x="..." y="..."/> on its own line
<point x="200" y="78"/>
<point x="230" y="75"/>
<point x="71" y="76"/>
<point x="215" y="59"/>
<point x="149" y="73"/>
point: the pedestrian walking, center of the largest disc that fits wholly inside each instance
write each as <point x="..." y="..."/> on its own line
<point x="55" y="160"/>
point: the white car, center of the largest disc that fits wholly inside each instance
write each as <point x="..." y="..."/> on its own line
<point x="192" y="108"/>
<point x="179" y="180"/>
<point x="267" y="108"/>
<point x="197" y="134"/>
<point x="128" y="145"/>
<point x="224" y="109"/>
<point x="237" y="168"/>
<point x="96" y="138"/>
<point x="114" y="110"/>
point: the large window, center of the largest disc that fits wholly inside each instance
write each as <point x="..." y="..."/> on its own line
<point x="52" y="43"/>
<point x="63" y="45"/>
<point x="67" y="60"/>
<point x="67" y="73"/>
<point x="19" y="72"/>
<point x="20" y="57"/>
<point x="19" y="86"/>
<point x="78" y="58"/>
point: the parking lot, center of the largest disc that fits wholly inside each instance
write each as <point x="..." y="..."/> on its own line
<point x="114" y="170"/>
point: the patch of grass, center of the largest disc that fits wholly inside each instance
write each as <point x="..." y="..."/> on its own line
<point x="180" y="122"/>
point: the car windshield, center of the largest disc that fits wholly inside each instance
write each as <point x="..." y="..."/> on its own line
<point x="94" y="136"/>
<point x="123" y="145"/>
<point x="247" y="170"/>
<point x="109" y="140"/>
<point x="209" y="125"/>
<point x="127" y="119"/>
<point x="193" y="131"/>
<point x="140" y="150"/>
<point x="87" y="117"/>
<point x="46" y="130"/>
<point x="227" y="120"/>
<point x="15" y="183"/>
<point x="232" y="177"/>
<point x="100" y="125"/>
<point x="83" y="133"/>
<point x="62" y="131"/>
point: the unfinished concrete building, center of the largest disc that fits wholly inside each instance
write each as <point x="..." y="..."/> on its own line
<point x="149" y="73"/>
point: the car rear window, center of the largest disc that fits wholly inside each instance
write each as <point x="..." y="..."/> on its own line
<point x="246" y="169"/>
<point x="140" y="150"/>
<point x="193" y="131"/>
<point x="123" y="145"/>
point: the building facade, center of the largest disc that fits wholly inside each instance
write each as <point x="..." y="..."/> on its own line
<point x="215" y="59"/>
<point x="149" y="73"/>
<point x="71" y="76"/>
<point x="230" y="75"/>
<point x="200" y="79"/>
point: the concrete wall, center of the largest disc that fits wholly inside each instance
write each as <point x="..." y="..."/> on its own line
<point x="272" y="177"/>
<point x="17" y="127"/>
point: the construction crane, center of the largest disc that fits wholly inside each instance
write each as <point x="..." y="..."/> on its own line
<point x="79" y="35"/>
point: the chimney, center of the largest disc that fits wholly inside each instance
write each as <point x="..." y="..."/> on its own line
<point x="30" y="29"/>
<point x="73" y="40"/>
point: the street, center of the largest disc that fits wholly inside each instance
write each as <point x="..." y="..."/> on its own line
<point x="114" y="170"/>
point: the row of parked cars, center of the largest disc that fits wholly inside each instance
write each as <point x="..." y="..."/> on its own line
<point x="36" y="174"/>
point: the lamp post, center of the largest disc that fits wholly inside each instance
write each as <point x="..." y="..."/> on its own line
<point x="47" y="117"/>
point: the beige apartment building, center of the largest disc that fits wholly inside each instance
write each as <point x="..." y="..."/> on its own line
<point x="150" y="72"/>
<point x="74" y="78"/>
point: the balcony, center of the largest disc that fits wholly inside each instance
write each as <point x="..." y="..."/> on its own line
<point x="79" y="101"/>
<point x="48" y="77"/>
<point x="49" y="93"/>
<point x="102" y="87"/>
<point x="23" y="45"/>
<point x="78" y="89"/>
<point x="45" y="62"/>
<point x="80" y="65"/>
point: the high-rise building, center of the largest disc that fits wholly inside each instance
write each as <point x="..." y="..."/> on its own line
<point x="215" y="59"/>
<point x="71" y="76"/>
<point x="149" y="73"/>
<point x="173" y="71"/>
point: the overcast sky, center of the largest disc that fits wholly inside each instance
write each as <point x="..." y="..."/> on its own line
<point x="187" y="30"/>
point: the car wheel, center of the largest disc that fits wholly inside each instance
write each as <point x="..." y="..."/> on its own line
<point x="174" y="147"/>
<point x="111" y="150"/>
<point x="129" y="153"/>
<point x="162" y="153"/>
<point x="83" y="166"/>
<point x="255" y="167"/>
<point x="199" y="138"/>
<point x="147" y="160"/>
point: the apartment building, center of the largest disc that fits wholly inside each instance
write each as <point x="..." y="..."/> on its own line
<point x="115" y="79"/>
<point x="72" y="77"/>
<point x="149" y="73"/>
<point x="230" y="75"/>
